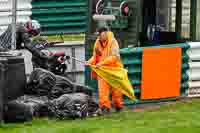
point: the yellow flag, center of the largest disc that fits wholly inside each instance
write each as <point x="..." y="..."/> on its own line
<point x="117" y="78"/>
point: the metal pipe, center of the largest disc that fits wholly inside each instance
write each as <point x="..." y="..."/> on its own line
<point x="73" y="63"/>
<point x="73" y="58"/>
<point x="178" y="17"/>
<point x="14" y="8"/>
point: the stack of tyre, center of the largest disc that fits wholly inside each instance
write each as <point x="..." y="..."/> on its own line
<point x="49" y="95"/>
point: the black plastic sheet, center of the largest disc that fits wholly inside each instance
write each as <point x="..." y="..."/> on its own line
<point x="39" y="105"/>
<point x="65" y="86"/>
<point x="55" y="96"/>
<point x="25" y="107"/>
<point x="16" y="111"/>
<point x="45" y="83"/>
<point x="41" y="82"/>
<point x="76" y="105"/>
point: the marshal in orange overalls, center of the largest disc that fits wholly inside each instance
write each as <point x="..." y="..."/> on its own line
<point x="107" y="54"/>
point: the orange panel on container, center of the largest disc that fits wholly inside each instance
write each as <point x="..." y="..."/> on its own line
<point x="161" y="73"/>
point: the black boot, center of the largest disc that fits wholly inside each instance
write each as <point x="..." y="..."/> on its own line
<point x="105" y="110"/>
<point x="118" y="109"/>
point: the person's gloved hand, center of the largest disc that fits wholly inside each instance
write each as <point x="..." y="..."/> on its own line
<point x="61" y="59"/>
<point x="98" y="65"/>
<point x="87" y="63"/>
<point x="67" y="57"/>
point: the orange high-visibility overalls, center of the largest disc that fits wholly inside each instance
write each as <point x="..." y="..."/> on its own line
<point x="107" y="54"/>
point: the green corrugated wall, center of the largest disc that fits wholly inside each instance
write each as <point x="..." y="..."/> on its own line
<point x="132" y="60"/>
<point x="60" y="16"/>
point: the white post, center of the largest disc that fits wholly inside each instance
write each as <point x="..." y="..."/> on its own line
<point x="14" y="10"/>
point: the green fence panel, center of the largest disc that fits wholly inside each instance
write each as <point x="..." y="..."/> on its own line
<point x="60" y="16"/>
<point x="132" y="60"/>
